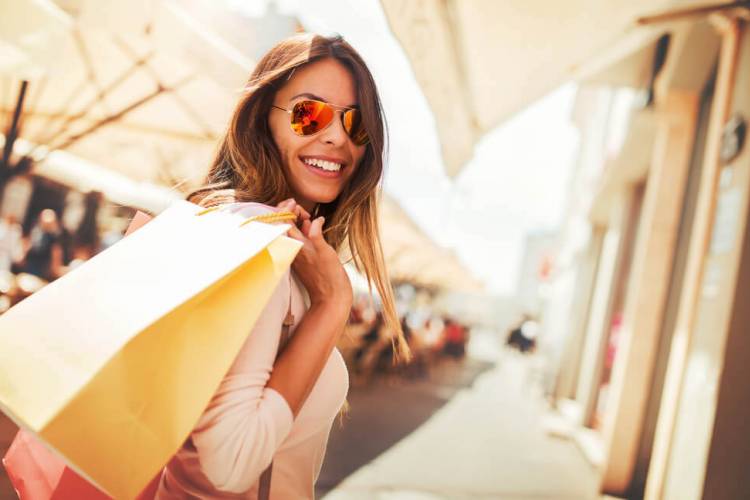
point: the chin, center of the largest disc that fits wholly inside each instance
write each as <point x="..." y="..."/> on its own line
<point x="325" y="199"/>
<point x="322" y="196"/>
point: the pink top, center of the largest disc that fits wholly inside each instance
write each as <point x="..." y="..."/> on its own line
<point x="247" y="424"/>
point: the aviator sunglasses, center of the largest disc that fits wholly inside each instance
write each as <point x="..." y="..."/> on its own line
<point x="309" y="117"/>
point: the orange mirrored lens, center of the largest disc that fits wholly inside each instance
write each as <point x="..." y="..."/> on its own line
<point x="309" y="117"/>
<point x="354" y="127"/>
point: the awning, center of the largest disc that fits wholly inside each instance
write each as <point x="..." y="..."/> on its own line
<point x="85" y="176"/>
<point x="139" y="87"/>
<point x="479" y="62"/>
<point x="413" y="257"/>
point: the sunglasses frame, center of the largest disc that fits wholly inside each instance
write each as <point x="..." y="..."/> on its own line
<point x="339" y="109"/>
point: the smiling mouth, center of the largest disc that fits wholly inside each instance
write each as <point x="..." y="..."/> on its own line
<point x="328" y="166"/>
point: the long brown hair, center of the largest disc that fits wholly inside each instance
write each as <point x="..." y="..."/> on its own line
<point x="248" y="165"/>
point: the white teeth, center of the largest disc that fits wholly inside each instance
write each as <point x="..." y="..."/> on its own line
<point x="325" y="165"/>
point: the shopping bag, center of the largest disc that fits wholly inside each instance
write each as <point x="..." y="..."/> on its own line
<point x="36" y="473"/>
<point x="139" y="220"/>
<point x="112" y="364"/>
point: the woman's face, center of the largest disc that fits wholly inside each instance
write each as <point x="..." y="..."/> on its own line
<point x="329" y="81"/>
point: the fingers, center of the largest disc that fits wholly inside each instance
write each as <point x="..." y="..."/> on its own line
<point x="295" y="233"/>
<point x="291" y="205"/>
<point x="302" y="213"/>
<point x="308" y="230"/>
<point x="316" y="228"/>
<point x="315" y="234"/>
<point x="302" y="216"/>
<point x="287" y="204"/>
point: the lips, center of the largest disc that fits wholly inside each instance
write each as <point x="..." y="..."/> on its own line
<point x="324" y="166"/>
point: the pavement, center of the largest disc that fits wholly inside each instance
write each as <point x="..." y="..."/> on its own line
<point x="486" y="442"/>
<point x="387" y="410"/>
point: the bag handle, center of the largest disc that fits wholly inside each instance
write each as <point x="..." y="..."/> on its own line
<point x="284" y="216"/>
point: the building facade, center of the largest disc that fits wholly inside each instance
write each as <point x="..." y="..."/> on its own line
<point x="654" y="358"/>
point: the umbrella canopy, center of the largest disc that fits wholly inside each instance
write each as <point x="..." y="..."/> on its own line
<point x="139" y="86"/>
<point x="480" y="62"/>
<point x="411" y="256"/>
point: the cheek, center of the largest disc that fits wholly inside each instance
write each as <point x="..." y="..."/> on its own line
<point x="285" y="140"/>
<point x="278" y="136"/>
<point x="358" y="152"/>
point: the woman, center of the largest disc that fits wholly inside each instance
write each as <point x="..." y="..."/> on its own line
<point x="307" y="137"/>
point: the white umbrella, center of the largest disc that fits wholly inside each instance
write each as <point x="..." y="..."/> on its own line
<point x="480" y="61"/>
<point x="139" y="87"/>
<point x="413" y="257"/>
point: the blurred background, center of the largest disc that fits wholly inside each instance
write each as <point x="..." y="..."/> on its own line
<point x="564" y="221"/>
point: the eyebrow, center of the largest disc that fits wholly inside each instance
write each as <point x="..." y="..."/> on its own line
<point x="318" y="98"/>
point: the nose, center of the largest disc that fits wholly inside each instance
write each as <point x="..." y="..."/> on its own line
<point x="335" y="134"/>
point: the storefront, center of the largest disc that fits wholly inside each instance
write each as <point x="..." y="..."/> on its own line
<point x="658" y="353"/>
<point x="701" y="441"/>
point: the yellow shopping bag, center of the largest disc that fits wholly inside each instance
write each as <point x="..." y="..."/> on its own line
<point x="112" y="364"/>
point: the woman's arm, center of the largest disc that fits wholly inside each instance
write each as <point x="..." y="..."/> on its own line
<point x="246" y="421"/>
<point x="252" y="411"/>
<point x="318" y="266"/>
<point x="299" y="365"/>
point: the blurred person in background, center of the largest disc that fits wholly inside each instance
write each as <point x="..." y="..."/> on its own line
<point x="362" y="316"/>
<point x="434" y="328"/>
<point x="85" y="241"/>
<point x="361" y="320"/>
<point x="307" y="137"/>
<point x="419" y="366"/>
<point x="44" y="254"/>
<point x="11" y="242"/>
<point x="455" y="339"/>
<point x="523" y="335"/>
<point x="112" y="233"/>
<point x="370" y="346"/>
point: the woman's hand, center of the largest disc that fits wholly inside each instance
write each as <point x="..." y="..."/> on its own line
<point x="317" y="264"/>
<point x="291" y="205"/>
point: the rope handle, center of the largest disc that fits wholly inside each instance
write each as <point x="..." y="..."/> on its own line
<point x="271" y="217"/>
<point x="284" y="216"/>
